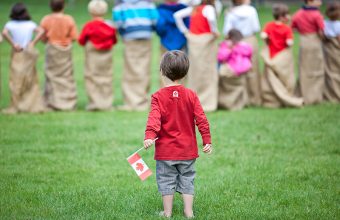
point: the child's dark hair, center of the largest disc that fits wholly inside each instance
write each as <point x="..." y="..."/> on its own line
<point x="19" y="12"/>
<point x="237" y="2"/>
<point x="208" y="2"/>
<point x="280" y="10"/>
<point x="174" y="64"/>
<point x="235" y="36"/>
<point x="57" y="5"/>
<point x="333" y="11"/>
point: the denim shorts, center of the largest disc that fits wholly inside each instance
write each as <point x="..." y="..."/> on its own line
<point x="175" y="176"/>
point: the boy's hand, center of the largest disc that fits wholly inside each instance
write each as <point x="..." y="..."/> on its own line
<point x="207" y="149"/>
<point x="148" y="143"/>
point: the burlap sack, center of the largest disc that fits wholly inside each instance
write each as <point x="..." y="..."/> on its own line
<point x="232" y="91"/>
<point x="312" y="70"/>
<point x="136" y="74"/>
<point x="202" y="75"/>
<point x="253" y="78"/>
<point x="278" y="80"/>
<point x="23" y="82"/>
<point x="60" y="87"/>
<point x="98" y="78"/>
<point x="332" y="67"/>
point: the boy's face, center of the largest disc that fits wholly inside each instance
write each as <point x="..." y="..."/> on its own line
<point x="315" y="3"/>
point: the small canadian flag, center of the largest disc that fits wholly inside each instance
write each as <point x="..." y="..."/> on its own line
<point x="139" y="166"/>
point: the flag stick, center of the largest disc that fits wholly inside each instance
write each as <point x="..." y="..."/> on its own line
<point x="141" y="149"/>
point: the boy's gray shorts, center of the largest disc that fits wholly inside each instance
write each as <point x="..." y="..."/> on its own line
<point x="175" y="176"/>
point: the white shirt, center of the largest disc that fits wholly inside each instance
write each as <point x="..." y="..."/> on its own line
<point x="208" y="12"/>
<point x="332" y="28"/>
<point x="21" y="31"/>
<point x="243" y="18"/>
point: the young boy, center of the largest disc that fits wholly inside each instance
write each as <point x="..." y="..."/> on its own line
<point x="60" y="32"/>
<point x="244" y="18"/>
<point x="135" y="20"/>
<point x="174" y="112"/>
<point x="308" y="21"/>
<point x="278" y="83"/>
<point x="332" y="52"/>
<point x="98" y="36"/>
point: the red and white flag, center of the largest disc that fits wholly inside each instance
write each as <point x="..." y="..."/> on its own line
<point x="139" y="166"/>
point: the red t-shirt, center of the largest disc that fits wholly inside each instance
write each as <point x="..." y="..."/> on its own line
<point x="174" y="112"/>
<point x="308" y="21"/>
<point x="198" y="23"/>
<point x="101" y="35"/>
<point x="278" y="34"/>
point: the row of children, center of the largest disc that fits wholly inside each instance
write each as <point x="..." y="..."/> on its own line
<point x="239" y="83"/>
<point x="58" y="31"/>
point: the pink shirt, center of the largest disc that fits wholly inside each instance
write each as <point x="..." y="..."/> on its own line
<point x="308" y="21"/>
<point x="237" y="57"/>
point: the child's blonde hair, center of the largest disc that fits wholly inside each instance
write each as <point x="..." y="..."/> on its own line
<point x="97" y="7"/>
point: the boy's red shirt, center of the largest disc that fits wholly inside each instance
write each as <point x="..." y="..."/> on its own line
<point x="101" y="35"/>
<point x="174" y="112"/>
<point x="278" y="34"/>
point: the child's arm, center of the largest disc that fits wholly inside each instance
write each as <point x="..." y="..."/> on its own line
<point x="8" y="37"/>
<point x="39" y="33"/>
<point x="223" y="52"/>
<point x="83" y="36"/>
<point x="210" y="13"/>
<point x="73" y="31"/>
<point x="153" y="124"/>
<point x="179" y="16"/>
<point x="203" y="125"/>
<point x="289" y="38"/>
<point x="265" y="37"/>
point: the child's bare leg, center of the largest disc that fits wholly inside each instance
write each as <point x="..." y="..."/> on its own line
<point x="167" y="204"/>
<point x="188" y="202"/>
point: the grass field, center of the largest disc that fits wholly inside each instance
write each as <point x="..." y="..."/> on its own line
<point x="267" y="164"/>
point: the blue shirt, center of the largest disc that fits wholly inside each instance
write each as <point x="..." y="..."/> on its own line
<point x="166" y="28"/>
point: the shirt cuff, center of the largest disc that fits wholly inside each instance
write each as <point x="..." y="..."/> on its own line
<point x="150" y="135"/>
<point x="206" y="139"/>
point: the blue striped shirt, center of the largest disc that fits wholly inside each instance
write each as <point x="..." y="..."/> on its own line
<point x="135" y="19"/>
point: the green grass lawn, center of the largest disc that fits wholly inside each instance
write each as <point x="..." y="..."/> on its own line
<point x="267" y="164"/>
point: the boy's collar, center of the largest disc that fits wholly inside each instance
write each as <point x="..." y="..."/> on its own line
<point x="309" y="8"/>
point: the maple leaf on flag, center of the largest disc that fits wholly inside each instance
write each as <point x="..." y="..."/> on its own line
<point x="140" y="167"/>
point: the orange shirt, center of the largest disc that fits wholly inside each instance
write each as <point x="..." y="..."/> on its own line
<point x="60" y="29"/>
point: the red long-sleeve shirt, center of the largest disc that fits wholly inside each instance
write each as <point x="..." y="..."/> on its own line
<point x="174" y="112"/>
<point x="101" y="35"/>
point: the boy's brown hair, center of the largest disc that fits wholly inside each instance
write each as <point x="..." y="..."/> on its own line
<point x="237" y="2"/>
<point x="235" y="36"/>
<point x="57" y="5"/>
<point x="174" y="64"/>
<point x="333" y="11"/>
<point x="280" y="10"/>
